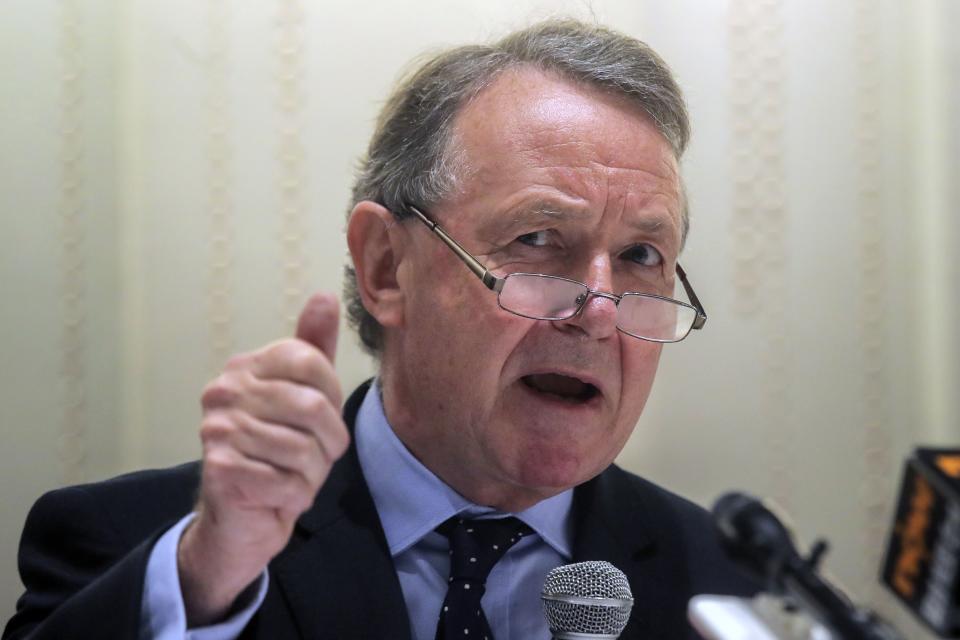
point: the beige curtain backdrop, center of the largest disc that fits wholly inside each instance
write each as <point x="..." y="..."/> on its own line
<point x="174" y="179"/>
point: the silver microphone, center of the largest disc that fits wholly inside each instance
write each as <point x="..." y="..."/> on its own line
<point x="586" y="601"/>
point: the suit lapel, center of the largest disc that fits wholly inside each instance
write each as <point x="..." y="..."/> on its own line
<point x="614" y="522"/>
<point x="337" y="574"/>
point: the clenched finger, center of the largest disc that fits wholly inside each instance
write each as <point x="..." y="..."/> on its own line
<point x="297" y="361"/>
<point x="292" y="450"/>
<point x="253" y="484"/>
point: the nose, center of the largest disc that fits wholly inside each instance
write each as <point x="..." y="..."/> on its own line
<point x="598" y="314"/>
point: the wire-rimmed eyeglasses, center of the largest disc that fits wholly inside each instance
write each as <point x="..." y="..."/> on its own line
<point x="540" y="296"/>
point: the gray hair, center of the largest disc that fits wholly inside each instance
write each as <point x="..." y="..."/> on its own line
<point x="413" y="157"/>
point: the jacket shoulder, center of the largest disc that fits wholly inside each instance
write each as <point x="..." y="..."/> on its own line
<point x="628" y="486"/>
<point x="84" y="549"/>
<point x="131" y="506"/>
<point x="682" y="527"/>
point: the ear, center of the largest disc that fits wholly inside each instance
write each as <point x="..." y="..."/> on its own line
<point x="377" y="244"/>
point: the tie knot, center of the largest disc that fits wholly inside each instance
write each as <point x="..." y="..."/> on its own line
<point x="477" y="545"/>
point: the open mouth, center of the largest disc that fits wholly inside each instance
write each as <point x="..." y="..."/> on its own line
<point x="561" y="387"/>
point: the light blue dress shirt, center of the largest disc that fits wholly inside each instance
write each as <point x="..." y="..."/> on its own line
<point x="162" y="612"/>
<point x="411" y="502"/>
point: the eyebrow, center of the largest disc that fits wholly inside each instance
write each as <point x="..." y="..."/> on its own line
<point x="649" y="224"/>
<point x="542" y="209"/>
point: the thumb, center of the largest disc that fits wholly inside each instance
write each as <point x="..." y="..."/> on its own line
<point x="318" y="323"/>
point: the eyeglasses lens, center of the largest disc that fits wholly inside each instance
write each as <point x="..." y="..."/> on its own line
<point x="654" y="318"/>
<point x="536" y="296"/>
<point x="549" y="298"/>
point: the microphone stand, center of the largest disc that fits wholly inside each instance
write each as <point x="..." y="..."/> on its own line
<point x="755" y="537"/>
<point x="801" y="582"/>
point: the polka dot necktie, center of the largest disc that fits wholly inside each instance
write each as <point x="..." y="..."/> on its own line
<point x="475" y="546"/>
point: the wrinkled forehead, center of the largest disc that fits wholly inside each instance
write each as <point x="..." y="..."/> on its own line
<point x="564" y="148"/>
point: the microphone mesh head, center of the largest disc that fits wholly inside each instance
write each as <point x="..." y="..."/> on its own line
<point x="566" y="599"/>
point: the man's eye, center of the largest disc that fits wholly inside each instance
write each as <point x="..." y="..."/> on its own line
<point x="534" y="239"/>
<point x="644" y="255"/>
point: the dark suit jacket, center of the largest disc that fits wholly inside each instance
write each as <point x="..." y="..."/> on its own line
<point x="84" y="553"/>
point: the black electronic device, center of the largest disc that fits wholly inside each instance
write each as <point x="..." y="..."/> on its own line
<point x="923" y="551"/>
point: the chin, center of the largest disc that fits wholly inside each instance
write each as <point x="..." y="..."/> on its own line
<point x="550" y="472"/>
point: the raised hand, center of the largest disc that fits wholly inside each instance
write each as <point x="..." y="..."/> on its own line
<point x="271" y="431"/>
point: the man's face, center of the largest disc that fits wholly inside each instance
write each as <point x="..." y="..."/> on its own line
<point x="561" y="180"/>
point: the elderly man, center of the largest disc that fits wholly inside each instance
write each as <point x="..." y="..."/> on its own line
<point x="514" y="235"/>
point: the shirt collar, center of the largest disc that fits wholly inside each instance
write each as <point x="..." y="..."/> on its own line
<point x="412" y="501"/>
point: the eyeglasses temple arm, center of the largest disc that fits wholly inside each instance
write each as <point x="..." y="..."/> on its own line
<point x="701" y="318"/>
<point x="489" y="280"/>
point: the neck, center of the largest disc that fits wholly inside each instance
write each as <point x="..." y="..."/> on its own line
<point x="418" y="433"/>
